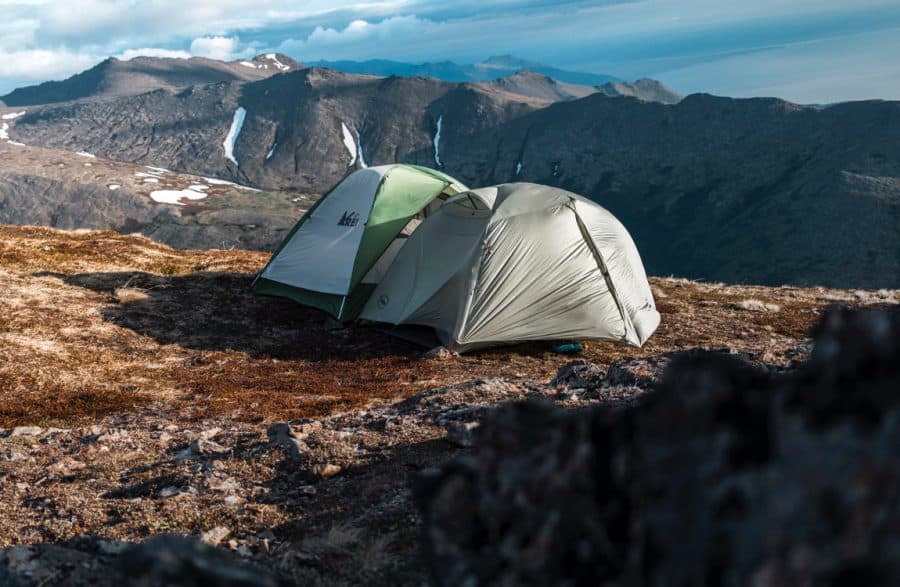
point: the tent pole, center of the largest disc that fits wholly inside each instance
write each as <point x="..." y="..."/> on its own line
<point x="341" y="311"/>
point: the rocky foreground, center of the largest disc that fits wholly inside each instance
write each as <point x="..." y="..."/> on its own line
<point x="162" y="425"/>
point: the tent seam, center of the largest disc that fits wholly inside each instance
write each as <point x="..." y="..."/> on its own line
<point x="604" y="270"/>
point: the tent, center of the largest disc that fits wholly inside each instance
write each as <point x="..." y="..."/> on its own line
<point x="336" y="254"/>
<point x="518" y="262"/>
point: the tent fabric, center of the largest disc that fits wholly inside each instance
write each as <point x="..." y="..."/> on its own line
<point x="514" y="263"/>
<point x="348" y="239"/>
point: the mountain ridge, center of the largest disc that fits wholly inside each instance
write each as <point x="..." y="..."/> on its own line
<point x="113" y="77"/>
<point x="739" y="190"/>
<point x="492" y="68"/>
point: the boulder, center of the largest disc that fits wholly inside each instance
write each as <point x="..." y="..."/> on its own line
<point x="726" y="473"/>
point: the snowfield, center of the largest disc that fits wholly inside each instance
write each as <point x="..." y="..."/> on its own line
<point x="194" y="192"/>
<point x="237" y="123"/>
<point x="274" y="58"/>
<point x="214" y="181"/>
<point x="437" y="141"/>
<point x="350" y="143"/>
<point x="362" y="158"/>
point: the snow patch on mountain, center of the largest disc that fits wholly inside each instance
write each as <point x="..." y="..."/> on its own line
<point x="350" y="143"/>
<point x="274" y="58"/>
<point x="215" y="181"/>
<point x="4" y="134"/>
<point x="248" y="64"/>
<point x="271" y="152"/>
<point x="113" y="187"/>
<point x="16" y="143"/>
<point x="237" y="123"/>
<point x="437" y="141"/>
<point x="362" y="158"/>
<point x="175" y="196"/>
<point x="13" y="115"/>
<point x="86" y="154"/>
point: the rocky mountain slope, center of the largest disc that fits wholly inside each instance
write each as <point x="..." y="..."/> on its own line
<point x="52" y="187"/>
<point x="648" y="90"/>
<point x="163" y="398"/>
<point x="114" y="77"/>
<point x="541" y="87"/>
<point x="756" y="190"/>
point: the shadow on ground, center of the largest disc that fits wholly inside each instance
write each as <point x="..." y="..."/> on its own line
<point x="218" y="311"/>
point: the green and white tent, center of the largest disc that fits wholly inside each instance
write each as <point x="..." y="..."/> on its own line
<point x="337" y="253"/>
<point x="518" y="262"/>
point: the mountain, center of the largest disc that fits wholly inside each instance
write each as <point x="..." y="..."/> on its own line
<point x="492" y="68"/>
<point x="648" y="90"/>
<point x="737" y="190"/>
<point x="544" y="88"/>
<point x="539" y="86"/>
<point x="114" y="77"/>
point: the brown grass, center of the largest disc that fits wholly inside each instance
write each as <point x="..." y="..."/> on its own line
<point x="31" y="400"/>
<point x="96" y="323"/>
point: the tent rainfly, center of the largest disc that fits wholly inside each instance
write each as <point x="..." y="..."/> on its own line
<point x="337" y="253"/>
<point x="518" y="262"/>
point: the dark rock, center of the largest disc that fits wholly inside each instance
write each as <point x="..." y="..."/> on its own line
<point x="724" y="474"/>
<point x="177" y="561"/>
<point x="642" y="373"/>
<point x="579" y="374"/>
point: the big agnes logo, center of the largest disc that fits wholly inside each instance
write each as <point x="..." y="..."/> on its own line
<point x="349" y="219"/>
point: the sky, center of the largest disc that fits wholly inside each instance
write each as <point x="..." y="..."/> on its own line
<point x="807" y="51"/>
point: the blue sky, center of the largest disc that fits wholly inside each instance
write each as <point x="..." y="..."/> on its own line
<point x="803" y="50"/>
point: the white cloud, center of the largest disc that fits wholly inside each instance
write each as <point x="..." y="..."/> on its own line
<point x="361" y="30"/>
<point x="153" y="52"/>
<point x="224" y="48"/>
<point x="41" y="64"/>
<point x="361" y="38"/>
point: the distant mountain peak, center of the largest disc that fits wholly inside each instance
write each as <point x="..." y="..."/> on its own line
<point x="275" y="61"/>
<point x="646" y="89"/>
<point x="498" y="66"/>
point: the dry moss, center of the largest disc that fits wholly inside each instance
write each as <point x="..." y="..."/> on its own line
<point x="93" y="322"/>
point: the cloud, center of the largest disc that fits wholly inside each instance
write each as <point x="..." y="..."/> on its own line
<point x="153" y="52"/>
<point x="43" y="64"/>
<point x="224" y="48"/>
<point x="361" y="30"/>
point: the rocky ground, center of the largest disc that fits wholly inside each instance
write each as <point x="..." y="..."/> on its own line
<point x="66" y="189"/>
<point x="147" y="396"/>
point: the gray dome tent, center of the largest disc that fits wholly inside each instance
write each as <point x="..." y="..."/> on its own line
<point x="518" y="262"/>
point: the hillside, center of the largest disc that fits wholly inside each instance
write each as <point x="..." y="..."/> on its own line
<point x="738" y="190"/>
<point x="66" y="189"/>
<point x="162" y="396"/>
